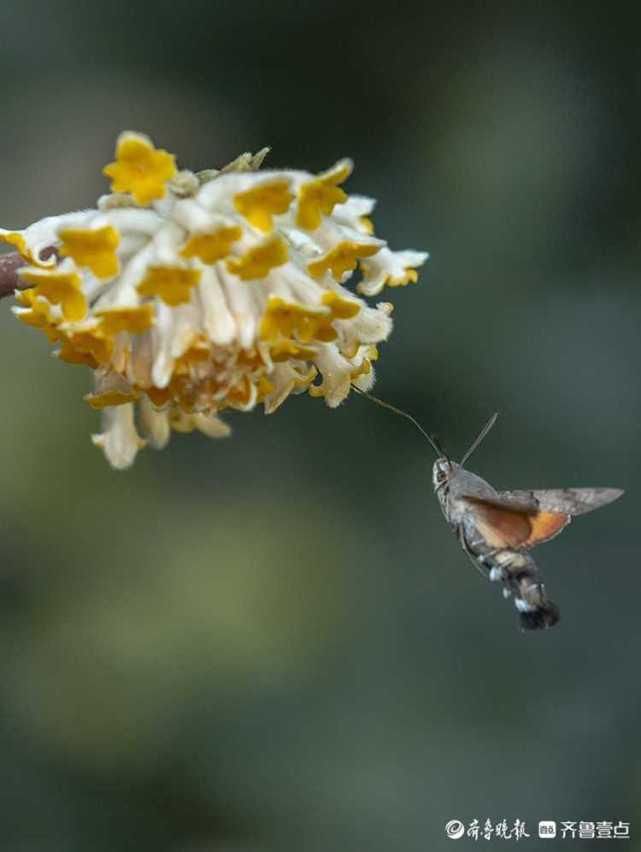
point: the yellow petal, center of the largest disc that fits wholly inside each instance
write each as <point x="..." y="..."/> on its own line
<point x="15" y="239"/>
<point x="284" y="321"/>
<point x="70" y="355"/>
<point x="212" y="246"/>
<point x="135" y="320"/>
<point x="110" y="397"/>
<point x="366" y="224"/>
<point x="89" y="343"/>
<point x="260" y="203"/>
<point x="140" y="169"/>
<point x="286" y="350"/>
<point x="410" y="276"/>
<point x="340" y="259"/>
<point x="257" y="262"/>
<point x="319" y="196"/>
<point x="60" y="287"/>
<point x="94" y="248"/>
<point x="173" y="284"/>
<point x="341" y="307"/>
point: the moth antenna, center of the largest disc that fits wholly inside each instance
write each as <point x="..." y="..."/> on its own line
<point x="481" y="435"/>
<point x="434" y="444"/>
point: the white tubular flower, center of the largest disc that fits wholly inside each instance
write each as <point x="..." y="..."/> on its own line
<point x="191" y="294"/>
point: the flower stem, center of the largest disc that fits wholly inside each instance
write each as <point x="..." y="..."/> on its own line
<point x="10" y="263"/>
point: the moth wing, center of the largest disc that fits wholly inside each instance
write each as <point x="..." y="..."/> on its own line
<point x="514" y="520"/>
<point x="517" y="501"/>
<point x="575" y="501"/>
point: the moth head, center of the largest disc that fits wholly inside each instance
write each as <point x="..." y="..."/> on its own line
<point x="441" y="472"/>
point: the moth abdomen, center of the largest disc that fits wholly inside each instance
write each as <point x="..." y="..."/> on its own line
<point x="520" y="577"/>
<point x="538" y="617"/>
<point x="536" y="611"/>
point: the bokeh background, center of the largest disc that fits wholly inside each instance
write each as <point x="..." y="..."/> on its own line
<point x="273" y="642"/>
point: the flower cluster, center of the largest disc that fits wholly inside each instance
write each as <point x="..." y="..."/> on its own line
<point x="188" y="294"/>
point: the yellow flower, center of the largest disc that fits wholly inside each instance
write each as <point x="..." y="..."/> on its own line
<point x="61" y="286"/>
<point x="389" y="269"/>
<point x="213" y="246"/>
<point x="319" y="196"/>
<point x="140" y="169"/>
<point x="133" y="320"/>
<point x="173" y="284"/>
<point x="259" y="260"/>
<point x="260" y="203"/>
<point x="194" y="294"/>
<point x="38" y="312"/>
<point x="15" y="239"/>
<point x="288" y="321"/>
<point x="94" y="248"/>
<point x="341" y="258"/>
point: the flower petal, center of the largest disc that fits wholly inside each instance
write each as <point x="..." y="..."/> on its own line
<point x="119" y="439"/>
<point x="140" y="168"/>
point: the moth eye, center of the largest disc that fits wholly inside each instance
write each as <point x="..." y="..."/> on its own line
<point x="441" y="476"/>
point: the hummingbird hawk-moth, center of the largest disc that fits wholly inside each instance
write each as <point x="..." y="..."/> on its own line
<point x="498" y="529"/>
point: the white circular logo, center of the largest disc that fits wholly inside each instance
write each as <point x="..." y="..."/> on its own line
<point x="454" y="829"/>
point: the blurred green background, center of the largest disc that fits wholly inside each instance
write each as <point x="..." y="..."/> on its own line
<point x="273" y="642"/>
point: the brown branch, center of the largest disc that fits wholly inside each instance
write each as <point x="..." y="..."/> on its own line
<point x="10" y="263"/>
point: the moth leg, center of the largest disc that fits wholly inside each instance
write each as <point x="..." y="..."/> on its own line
<point x="478" y="564"/>
<point x="495" y="574"/>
